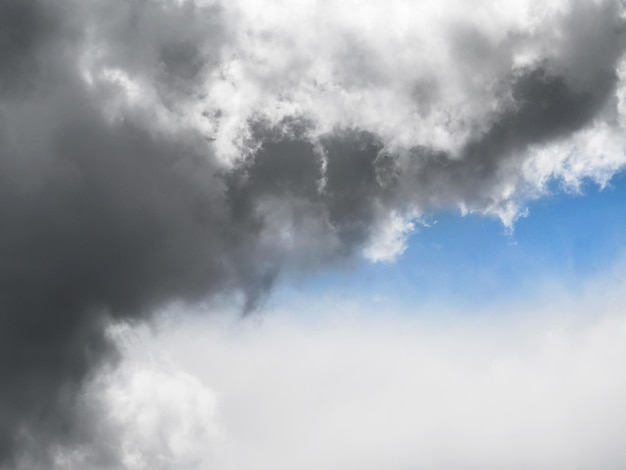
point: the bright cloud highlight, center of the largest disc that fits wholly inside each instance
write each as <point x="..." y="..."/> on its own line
<point x="345" y="389"/>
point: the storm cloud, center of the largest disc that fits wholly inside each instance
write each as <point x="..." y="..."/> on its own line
<point x="154" y="151"/>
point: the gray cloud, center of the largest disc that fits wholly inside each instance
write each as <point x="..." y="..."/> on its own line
<point x="101" y="220"/>
<point x="119" y="191"/>
<point x="545" y="109"/>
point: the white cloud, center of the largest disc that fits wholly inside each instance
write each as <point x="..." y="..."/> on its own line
<point x="390" y="238"/>
<point x="167" y="418"/>
<point x="539" y="386"/>
<point x="390" y="68"/>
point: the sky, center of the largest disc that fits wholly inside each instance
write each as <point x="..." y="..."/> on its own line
<point x="565" y="240"/>
<point x="340" y="234"/>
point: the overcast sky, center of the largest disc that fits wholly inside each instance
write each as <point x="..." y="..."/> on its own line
<point x="312" y="234"/>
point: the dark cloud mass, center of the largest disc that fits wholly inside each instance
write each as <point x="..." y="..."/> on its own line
<point x="115" y="200"/>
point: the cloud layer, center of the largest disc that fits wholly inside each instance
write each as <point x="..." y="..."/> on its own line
<point x="535" y="386"/>
<point x="158" y="150"/>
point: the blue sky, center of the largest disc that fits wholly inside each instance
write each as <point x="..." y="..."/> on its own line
<point x="566" y="240"/>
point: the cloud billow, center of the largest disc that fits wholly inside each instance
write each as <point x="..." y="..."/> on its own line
<point x="155" y="151"/>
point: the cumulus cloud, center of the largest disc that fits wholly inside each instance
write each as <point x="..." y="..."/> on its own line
<point x="156" y="150"/>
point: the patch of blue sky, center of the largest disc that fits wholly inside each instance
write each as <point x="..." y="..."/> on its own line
<point x="566" y="239"/>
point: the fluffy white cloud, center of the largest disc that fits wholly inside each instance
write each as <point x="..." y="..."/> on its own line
<point x="389" y="241"/>
<point x="167" y="418"/>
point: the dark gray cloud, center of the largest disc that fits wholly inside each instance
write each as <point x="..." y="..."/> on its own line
<point x="112" y="208"/>
<point x="24" y="27"/>
<point x="101" y="219"/>
<point x="546" y="108"/>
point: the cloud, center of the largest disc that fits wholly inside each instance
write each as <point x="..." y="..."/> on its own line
<point x="536" y="385"/>
<point x="159" y="151"/>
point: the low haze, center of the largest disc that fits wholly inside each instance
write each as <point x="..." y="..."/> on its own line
<point x="311" y="234"/>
